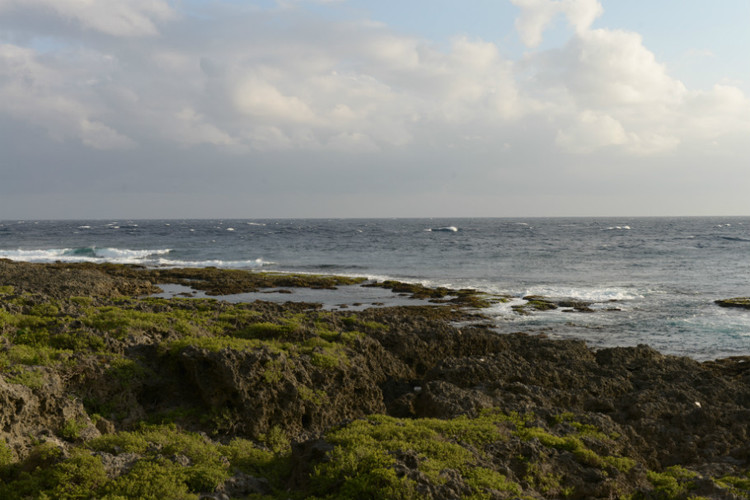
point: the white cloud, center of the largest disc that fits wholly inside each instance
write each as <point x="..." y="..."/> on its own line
<point x="607" y="89"/>
<point x="190" y="127"/>
<point x="99" y="136"/>
<point x="38" y="94"/>
<point x="261" y="99"/>
<point x="537" y="15"/>
<point x="112" y="17"/>
<point x="591" y="131"/>
<point x="356" y="86"/>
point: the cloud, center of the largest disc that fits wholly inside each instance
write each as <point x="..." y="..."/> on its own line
<point x="537" y="15"/>
<point x="99" y="136"/>
<point x="591" y="131"/>
<point x="36" y="93"/>
<point x="605" y="88"/>
<point x="245" y="85"/>
<point x="262" y="100"/>
<point x="112" y="17"/>
<point x="320" y="104"/>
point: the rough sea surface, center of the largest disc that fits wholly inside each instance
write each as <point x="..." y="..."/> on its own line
<point x="652" y="280"/>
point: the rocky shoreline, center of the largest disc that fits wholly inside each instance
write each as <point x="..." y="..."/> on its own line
<point x="106" y="392"/>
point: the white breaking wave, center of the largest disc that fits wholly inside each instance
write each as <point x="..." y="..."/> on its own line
<point x="225" y="264"/>
<point x="587" y="294"/>
<point x="84" y="254"/>
<point x="148" y="257"/>
<point x="446" y="229"/>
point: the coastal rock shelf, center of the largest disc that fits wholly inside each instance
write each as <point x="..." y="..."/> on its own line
<point x="109" y="393"/>
<point x="740" y="302"/>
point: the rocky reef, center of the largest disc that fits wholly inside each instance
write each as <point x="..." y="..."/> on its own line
<point x="740" y="302"/>
<point x="106" y="392"/>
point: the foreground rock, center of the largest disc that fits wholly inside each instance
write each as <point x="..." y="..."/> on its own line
<point x="741" y="302"/>
<point x="105" y="394"/>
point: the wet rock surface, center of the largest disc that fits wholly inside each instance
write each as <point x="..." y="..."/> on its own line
<point x="739" y="302"/>
<point x="543" y="418"/>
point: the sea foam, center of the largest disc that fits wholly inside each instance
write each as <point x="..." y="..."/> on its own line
<point x="84" y="254"/>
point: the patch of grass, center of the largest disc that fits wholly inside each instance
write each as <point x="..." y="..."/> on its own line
<point x="273" y="371"/>
<point x="363" y="459"/>
<point x="266" y="330"/>
<point x="316" y="397"/>
<point x="30" y="377"/>
<point x="78" y="340"/>
<point x="249" y="458"/>
<point x="674" y="482"/>
<point x="206" y="469"/>
<point x="151" y="480"/>
<point x="71" y="429"/>
<point x="355" y="323"/>
<point x="483" y="480"/>
<point x="216" y="344"/>
<point x="738" y="485"/>
<point x="120" y="322"/>
<point x="82" y="301"/>
<point x="82" y="475"/>
<point x="6" y="454"/>
<point x="277" y="440"/>
<point x="22" y="354"/>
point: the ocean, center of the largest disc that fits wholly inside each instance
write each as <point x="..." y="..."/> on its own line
<point x="651" y="280"/>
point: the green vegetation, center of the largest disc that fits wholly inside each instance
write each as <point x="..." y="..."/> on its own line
<point x="169" y="464"/>
<point x="362" y="463"/>
<point x="373" y="457"/>
<point x="465" y="297"/>
<point x="673" y="482"/>
<point x="738" y="485"/>
<point x="71" y="429"/>
<point x="112" y="354"/>
<point x="740" y="302"/>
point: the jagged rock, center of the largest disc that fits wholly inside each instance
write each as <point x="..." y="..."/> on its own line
<point x="28" y="415"/>
<point x="656" y="410"/>
<point x="740" y="302"/>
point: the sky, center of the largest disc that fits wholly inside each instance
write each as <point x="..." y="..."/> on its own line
<point x="373" y="108"/>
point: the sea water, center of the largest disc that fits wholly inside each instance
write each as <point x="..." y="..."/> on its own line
<point x="651" y="280"/>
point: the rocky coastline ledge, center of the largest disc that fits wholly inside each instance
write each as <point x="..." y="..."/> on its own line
<point x="106" y="392"/>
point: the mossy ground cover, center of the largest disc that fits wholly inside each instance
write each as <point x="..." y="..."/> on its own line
<point x="85" y="342"/>
<point x="464" y="297"/>
<point x="160" y="462"/>
<point x="491" y="455"/>
<point x="374" y="457"/>
<point x="39" y="334"/>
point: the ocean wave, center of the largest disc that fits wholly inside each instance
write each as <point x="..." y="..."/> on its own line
<point x="734" y="238"/>
<point x="84" y="254"/>
<point x="604" y="294"/>
<point x="223" y="264"/>
<point x="445" y="229"/>
<point x="146" y="257"/>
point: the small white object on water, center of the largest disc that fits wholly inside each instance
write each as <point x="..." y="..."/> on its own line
<point x="417" y="388"/>
<point x="697" y="404"/>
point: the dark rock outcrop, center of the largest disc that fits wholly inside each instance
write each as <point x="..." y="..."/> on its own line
<point x="406" y="362"/>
